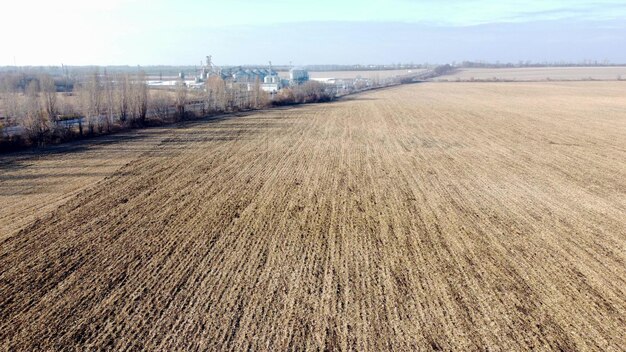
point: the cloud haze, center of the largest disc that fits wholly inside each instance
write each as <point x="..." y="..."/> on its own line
<point x="243" y="31"/>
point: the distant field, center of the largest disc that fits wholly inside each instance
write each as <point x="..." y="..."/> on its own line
<point x="539" y="74"/>
<point x="435" y="216"/>
<point x="382" y="74"/>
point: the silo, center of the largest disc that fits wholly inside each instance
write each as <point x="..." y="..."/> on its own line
<point x="298" y="75"/>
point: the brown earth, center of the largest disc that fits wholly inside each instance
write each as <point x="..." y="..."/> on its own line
<point x="435" y="216"/>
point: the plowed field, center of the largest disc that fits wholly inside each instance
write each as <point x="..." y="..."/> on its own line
<point x="435" y="216"/>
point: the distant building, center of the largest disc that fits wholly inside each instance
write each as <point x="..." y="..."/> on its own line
<point x="208" y="70"/>
<point x="298" y="76"/>
<point x="272" y="83"/>
<point x="239" y="74"/>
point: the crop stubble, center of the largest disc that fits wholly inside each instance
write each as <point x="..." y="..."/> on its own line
<point x="433" y="216"/>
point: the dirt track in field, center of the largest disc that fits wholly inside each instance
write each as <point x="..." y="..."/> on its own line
<point x="433" y="216"/>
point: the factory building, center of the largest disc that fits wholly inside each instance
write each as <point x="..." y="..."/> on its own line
<point x="298" y="76"/>
<point x="268" y="78"/>
<point x="239" y="74"/>
<point x="272" y="84"/>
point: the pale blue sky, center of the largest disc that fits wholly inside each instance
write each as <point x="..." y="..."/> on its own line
<point x="143" y="32"/>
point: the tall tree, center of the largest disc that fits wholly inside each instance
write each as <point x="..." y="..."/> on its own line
<point x="49" y="97"/>
<point x="122" y="99"/>
<point x="160" y="104"/>
<point x="181" y="98"/>
<point x="139" y="98"/>
<point x="35" y="122"/>
<point x="91" y="101"/>
<point x="216" y="94"/>
<point x="11" y="97"/>
<point x="108" y="100"/>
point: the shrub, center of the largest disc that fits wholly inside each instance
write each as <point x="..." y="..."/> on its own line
<point x="309" y="92"/>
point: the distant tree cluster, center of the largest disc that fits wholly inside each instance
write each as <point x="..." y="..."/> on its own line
<point x="35" y="109"/>
<point x="30" y="102"/>
<point x="309" y="92"/>
<point x="33" y="105"/>
<point x="226" y="96"/>
<point x="528" y="63"/>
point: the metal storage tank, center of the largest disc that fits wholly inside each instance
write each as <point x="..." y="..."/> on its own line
<point x="298" y="75"/>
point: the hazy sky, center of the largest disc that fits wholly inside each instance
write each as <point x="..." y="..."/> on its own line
<point x="81" y="32"/>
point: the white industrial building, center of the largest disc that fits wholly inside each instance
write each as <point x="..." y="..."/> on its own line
<point x="268" y="79"/>
<point x="272" y="84"/>
<point x="298" y="76"/>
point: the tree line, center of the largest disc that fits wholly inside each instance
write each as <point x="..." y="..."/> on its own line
<point x="98" y="103"/>
<point x="34" y="110"/>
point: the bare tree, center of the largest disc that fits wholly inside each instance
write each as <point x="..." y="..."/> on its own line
<point x="216" y="94"/>
<point x="139" y="99"/>
<point x="181" y="99"/>
<point x="31" y="94"/>
<point x="160" y="104"/>
<point x="91" y="101"/>
<point x="122" y="99"/>
<point x="108" y="96"/>
<point x="49" y="97"/>
<point x="309" y="92"/>
<point x="11" y="98"/>
<point x="35" y="123"/>
<point x="260" y="98"/>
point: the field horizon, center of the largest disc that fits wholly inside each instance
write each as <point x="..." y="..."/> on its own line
<point x="521" y="74"/>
